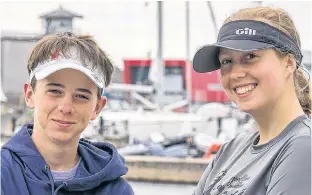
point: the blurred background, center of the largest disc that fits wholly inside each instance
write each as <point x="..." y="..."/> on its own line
<point x="159" y="110"/>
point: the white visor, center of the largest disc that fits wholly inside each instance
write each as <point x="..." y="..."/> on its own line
<point x="45" y="69"/>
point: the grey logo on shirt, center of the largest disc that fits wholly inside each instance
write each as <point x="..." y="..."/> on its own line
<point x="222" y="189"/>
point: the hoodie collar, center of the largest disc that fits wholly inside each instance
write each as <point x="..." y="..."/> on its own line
<point x="100" y="161"/>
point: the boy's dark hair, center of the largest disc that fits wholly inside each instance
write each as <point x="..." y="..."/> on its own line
<point x="61" y="43"/>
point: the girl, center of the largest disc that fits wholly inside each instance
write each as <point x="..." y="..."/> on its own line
<point x="259" y="58"/>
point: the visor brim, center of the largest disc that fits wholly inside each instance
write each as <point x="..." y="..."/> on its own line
<point x="47" y="71"/>
<point x="206" y="58"/>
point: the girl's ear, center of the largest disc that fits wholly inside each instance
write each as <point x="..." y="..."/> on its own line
<point x="291" y="65"/>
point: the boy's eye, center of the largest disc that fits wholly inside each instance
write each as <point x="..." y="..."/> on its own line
<point x="83" y="97"/>
<point x="54" y="91"/>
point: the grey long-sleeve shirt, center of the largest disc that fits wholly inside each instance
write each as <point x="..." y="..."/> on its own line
<point x="280" y="167"/>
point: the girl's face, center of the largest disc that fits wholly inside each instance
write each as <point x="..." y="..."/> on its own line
<point x="253" y="80"/>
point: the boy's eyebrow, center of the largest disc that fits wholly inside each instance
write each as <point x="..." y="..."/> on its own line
<point x="55" y="85"/>
<point x="63" y="86"/>
<point x="84" y="90"/>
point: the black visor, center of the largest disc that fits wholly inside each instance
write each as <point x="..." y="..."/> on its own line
<point x="244" y="35"/>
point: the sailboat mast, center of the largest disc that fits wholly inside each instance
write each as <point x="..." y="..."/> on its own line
<point x="159" y="56"/>
<point x="213" y="18"/>
<point x="188" y="65"/>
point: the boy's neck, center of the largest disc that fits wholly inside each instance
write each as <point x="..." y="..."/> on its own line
<point x="60" y="157"/>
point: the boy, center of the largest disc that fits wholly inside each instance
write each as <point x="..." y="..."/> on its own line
<point x="67" y="76"/>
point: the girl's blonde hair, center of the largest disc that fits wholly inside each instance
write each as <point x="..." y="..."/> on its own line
<point x="280" y="19"/>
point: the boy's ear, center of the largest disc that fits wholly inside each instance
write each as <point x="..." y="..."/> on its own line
<point x="29" y="95"/>
<point x="99" y="106"/>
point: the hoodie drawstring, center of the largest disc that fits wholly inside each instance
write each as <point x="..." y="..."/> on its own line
<point x="47" y="168"/>
<point x="57" y="189"/>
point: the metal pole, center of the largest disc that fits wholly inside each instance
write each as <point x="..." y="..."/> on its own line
<point x="188" y="61"/>
<point x="159" y="57"/>
<point x="213" y="18"/>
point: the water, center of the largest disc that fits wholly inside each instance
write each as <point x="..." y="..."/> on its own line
<point x="143" y="188"/>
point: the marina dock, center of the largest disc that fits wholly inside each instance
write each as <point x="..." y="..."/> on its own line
<point x="170" y="170"/>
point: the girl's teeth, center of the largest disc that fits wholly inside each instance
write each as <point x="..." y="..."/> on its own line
<point x="242" y="90"/>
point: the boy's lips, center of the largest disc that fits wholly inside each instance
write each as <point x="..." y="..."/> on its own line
<point x="64" y="122"/>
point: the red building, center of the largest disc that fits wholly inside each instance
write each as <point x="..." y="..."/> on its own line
<point x="205" y="86"/>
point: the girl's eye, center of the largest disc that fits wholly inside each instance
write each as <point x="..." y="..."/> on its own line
<point x="250" y="56"/>
<point x="225" y="62"/>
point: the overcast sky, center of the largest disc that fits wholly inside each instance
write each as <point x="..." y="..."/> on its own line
<point x="128" y="29"/>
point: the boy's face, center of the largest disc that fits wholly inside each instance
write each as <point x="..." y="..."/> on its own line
<point x="63" y="104"/>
